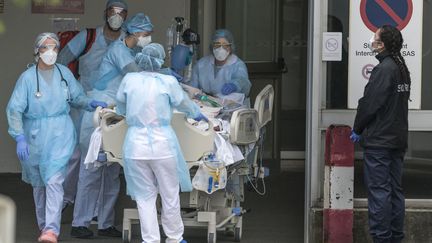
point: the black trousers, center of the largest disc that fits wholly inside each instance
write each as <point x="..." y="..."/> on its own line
<point x="386" y="202"/>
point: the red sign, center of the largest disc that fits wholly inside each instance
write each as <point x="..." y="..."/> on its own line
<point x="376" y="13"/>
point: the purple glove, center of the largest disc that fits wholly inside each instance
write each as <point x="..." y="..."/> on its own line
<point x="22" y="149"/>
<point x="228" y="88"/>
<point x="94" y="104"/>
<point x="354" y="137"/>
<point x="201" y="117"/>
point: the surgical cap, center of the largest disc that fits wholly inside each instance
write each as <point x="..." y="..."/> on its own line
<point x="223" y="33"/>
<point x="139" y="23"/>
<point x="117" y="3"/>
<point x="151" y="58"/>
<point x="41" y="38"/>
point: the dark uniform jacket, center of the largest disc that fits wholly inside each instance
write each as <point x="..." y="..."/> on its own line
<point x="382" y="112"/>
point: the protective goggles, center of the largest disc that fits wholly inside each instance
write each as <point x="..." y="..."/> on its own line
<point x="49" y="47"/>
<point x="116" y="10"/>
<point x="216" y="45"/>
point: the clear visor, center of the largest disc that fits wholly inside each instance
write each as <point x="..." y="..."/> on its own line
<point x="116" y="10"/>
<point x="216" y="45"/>
<point x="48" y="47"/>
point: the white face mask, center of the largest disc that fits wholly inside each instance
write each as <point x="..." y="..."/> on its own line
<point x="371" y="41"/>
<point x="49" y="57"/>
<point x="115" y="21"/>
<point x="143" y="41"/>
<point x="220" y="53"/>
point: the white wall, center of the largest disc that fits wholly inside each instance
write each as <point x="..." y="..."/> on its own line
<point x="21" y="28"/>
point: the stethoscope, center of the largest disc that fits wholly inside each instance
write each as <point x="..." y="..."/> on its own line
<point x="38" y="94"/>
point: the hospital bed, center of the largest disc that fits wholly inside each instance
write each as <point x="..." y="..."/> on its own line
<point x="222" y="209"/>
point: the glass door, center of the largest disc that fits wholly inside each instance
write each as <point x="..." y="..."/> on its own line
<point x="271" y="39"/>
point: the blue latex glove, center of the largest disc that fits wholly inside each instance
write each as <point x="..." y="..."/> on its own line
<point x="176" y="75"/>
<point x="228" y="88"/>
<point x="354" y="137"/>
<point x="22" y="149"/>
<point x="201" y="117"/>
<point x="94" y="104"/>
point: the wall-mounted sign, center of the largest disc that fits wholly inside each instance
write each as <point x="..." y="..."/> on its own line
<point x="58" y="6"/>
<point x="332" y="46"/>
<point x="64" y="24"/>
<point x="366" y="16"/>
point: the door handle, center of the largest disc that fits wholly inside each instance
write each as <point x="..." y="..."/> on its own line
<point x="282" y="65"/>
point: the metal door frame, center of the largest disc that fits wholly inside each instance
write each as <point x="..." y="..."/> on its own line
<point x="318" y="118"/>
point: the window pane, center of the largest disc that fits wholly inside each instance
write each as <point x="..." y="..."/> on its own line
<point x="337" y="72"/>
<point x="253" y="25"/>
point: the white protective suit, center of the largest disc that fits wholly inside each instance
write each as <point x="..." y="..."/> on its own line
<point x="153" y="160"/>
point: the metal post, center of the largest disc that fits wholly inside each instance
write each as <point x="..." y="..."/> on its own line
<point x="338" y="210"/>
<point x="308" y="120"/>
<point x="313" y="135"/>
<point x="209" y="25"/>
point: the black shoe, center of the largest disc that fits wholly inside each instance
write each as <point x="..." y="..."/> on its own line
<point x="110" y="232"/>
<point x="81" y="232"/>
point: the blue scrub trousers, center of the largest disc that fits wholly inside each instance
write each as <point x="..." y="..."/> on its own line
<point x="98" y="189"/>
<point x="386" y="202"/>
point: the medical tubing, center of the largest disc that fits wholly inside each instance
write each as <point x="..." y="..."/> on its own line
<point x="210" y="101"/>
<point x="261" y="144"/>
<point x="255" y="186"/>
<point x="210" y="184"/>
<point x="206" y="99"/>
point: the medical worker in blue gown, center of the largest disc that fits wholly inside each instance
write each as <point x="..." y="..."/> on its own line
<point x="153" y="160"/>
<point x="118" y="61"/>
<point x="222" y="72"/>
<point x="39" y="121"/>
<point x="115" y="14"/>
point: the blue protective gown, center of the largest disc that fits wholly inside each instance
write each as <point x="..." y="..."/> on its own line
<point x="45" y="122"/>
<point x="210" y="78"/>
<point x="89" y="62"/>
<point x="150" y="135"/>
<point x="117" y="61"/>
